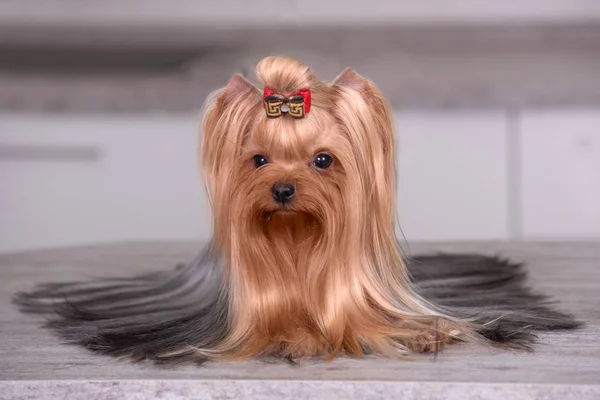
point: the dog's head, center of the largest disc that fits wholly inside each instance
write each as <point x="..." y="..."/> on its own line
<point x="330" y="171"/>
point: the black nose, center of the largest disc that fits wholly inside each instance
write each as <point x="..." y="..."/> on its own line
<point x="283" y="192"/>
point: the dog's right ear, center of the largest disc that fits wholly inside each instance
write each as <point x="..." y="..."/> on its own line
<point x="226" y="121"/>
<point x="237" y="86"/>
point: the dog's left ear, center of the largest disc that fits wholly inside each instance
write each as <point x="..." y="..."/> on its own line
<point x="350" y="79"/>
<point x="365" y="115"/>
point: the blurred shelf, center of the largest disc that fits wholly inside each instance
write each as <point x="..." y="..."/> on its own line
<point x="305" y="13"/>
<point x="193" y="23"/>
<point x="411" y="78"/>
<point x="141" y="56"/>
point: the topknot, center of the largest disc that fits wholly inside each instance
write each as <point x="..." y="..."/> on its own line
<point x="284" y="74"/>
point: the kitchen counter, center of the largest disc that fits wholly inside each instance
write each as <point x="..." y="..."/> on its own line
<point x="565" y="365"/>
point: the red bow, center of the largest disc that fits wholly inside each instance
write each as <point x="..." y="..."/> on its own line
<point x="296" y="104"/>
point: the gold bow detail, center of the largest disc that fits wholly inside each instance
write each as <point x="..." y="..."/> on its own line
<point x="296" y="104"/>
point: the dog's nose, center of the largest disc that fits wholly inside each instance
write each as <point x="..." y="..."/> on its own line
<point x="283" y="192"/>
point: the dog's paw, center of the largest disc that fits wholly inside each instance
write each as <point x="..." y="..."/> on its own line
<point x="428" y="341"/>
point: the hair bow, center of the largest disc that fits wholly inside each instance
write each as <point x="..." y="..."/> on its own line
<point x="296" y="104"/>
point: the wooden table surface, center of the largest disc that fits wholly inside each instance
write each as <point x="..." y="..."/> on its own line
<point x="34" y="364"/>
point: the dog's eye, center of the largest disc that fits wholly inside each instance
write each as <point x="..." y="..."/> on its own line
<point x="323" y="161"/>
<point x="260" y="160"/>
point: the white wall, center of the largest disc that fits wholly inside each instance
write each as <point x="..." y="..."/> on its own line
<point x="68" y="180"/>
<point x="560" y="165"/>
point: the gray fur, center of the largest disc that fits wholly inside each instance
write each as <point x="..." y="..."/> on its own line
<point x="163" y="316"/>
<point x="490" y="291"/>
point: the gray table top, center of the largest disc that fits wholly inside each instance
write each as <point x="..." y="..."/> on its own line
<point x="34" y="364"/>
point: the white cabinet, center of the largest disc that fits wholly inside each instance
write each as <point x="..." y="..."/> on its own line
<point x="452" y="171"/>
<point x="73" y="179"/>
<point x="560" y="166"/>
<point x="67" y="180"/>
<point x="77" y="179"/>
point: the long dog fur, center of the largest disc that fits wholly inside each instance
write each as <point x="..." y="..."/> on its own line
<point x="167" y="316"/>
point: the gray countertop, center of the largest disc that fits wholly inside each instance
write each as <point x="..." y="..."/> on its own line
<point x="33" y="363"/>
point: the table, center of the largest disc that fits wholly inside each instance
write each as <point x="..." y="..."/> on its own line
<point x="34" y="364"/>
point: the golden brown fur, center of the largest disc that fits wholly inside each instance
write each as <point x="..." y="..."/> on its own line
<point x="323" y="276"/>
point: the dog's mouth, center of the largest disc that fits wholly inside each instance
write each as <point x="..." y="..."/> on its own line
<point x="282" y="211"/>
<point x="300" y="224"/>
<point x="292" y="226"/>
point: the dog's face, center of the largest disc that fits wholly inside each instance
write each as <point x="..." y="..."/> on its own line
<point x="291" y="171"/>
<point x="327" y="175"/>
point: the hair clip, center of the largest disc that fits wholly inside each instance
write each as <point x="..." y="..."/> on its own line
<point x="296" y="104"/>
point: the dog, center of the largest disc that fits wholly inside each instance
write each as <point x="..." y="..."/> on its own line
<point x="304" y="260"/>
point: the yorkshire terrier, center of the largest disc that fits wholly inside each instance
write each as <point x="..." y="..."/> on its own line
<point x="304" y="259"/>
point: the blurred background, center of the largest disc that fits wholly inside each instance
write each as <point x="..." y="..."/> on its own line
<point x="497" y="107"/>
